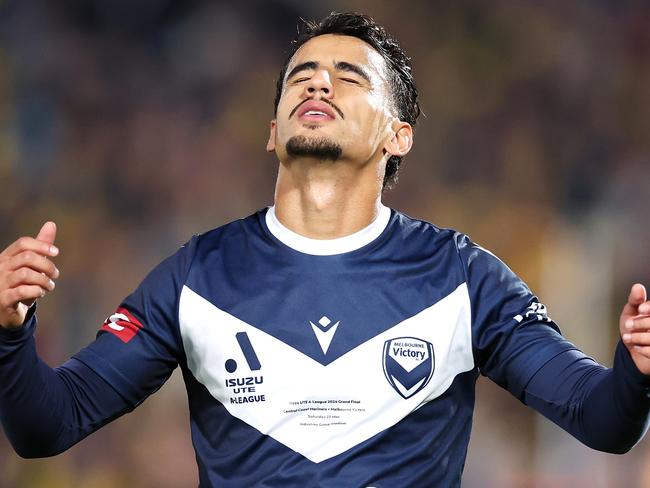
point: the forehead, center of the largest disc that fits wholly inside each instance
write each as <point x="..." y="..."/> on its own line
<point x="332" y="48"/>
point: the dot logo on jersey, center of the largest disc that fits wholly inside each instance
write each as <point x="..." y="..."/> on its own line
<point x="122" y="324"/>
<point x="408" y="364"/>
<point x="244" y="389"/>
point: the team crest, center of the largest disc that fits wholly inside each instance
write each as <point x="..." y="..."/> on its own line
<point x="408" y="364"/>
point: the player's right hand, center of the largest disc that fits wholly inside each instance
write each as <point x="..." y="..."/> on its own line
<point x="26" y="273"/>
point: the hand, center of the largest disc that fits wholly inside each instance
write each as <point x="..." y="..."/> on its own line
<point x="26" y="273"/>
<point x="635" y="327"/>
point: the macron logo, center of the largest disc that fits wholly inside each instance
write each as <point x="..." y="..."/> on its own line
<point x="324" y="331"/>
<point x="535" y="310"/>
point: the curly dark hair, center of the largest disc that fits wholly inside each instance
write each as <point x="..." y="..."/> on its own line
<point x="400" y="78"/>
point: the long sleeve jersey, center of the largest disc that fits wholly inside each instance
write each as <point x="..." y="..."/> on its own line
<point x="345" y="362"/>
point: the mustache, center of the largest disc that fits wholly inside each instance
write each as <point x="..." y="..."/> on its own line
<point x="324" y="100"/>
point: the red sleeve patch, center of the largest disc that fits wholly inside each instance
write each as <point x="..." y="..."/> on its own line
<point x="122" y="324"/>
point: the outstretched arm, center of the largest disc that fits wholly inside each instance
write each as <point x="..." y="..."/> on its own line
<point x="43" y="410"/>
<point x="519" y="347"/>
<point x="607" y="409"/>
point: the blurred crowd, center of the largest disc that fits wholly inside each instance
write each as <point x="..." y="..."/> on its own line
<point x="134" y="125"/>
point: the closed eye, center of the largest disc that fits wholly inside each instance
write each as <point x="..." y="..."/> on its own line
<point x="350" y="80"/>
<point x="300" y="80"/>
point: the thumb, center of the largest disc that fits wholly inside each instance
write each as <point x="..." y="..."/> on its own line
<point x="637" y="297"/>
<point x="47" y="233"/>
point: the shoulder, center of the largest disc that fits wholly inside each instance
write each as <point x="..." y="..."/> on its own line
<point x="475" y="261"/>
<point x="231" y="234"/>
<point x="428" y="235"/>
<point x="231" y="246"/>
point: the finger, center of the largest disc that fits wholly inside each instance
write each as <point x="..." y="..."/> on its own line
<point x="644" y="307"/>
<point x="636" y="297"/>
<point x="23" y="293"/>
<point x="640" y="322"/>
<point x="637" y="338"/>
<point x="30" y="244"/>
<point x="47" y="233"/>
<point x="30" y="259"/>
<point x="27" y="276"/>
<point x="643" y="350"/>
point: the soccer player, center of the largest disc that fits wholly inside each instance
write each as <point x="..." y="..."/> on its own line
<point x="327" y="340"/>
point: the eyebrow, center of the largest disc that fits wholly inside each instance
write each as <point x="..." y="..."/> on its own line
<point x="302" y="67"/>
<point x="338" y="65"/>
<point x="352" y="68"/>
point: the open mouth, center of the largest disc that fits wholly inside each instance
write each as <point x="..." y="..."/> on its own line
<point x="315" y="116"/>
<point x="315" y="111"/>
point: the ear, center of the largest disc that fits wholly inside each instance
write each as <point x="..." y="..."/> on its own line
<point x="401" y="141"/>
<point x="270" y="144"/>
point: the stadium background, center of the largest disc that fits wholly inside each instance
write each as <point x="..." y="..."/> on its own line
<point x="134" y="125"/>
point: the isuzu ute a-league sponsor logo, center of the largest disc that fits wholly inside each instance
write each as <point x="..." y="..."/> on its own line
<point x="244" y="389"/>
<point x="408" y="364"/>
<point x="122" y="325"/>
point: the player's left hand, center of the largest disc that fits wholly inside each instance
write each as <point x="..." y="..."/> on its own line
<point x="635" y="327"/>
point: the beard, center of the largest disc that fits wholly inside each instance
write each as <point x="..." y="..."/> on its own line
<point x="314" y="147"/>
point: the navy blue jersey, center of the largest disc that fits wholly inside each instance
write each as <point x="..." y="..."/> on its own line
<point x="327" y="363"/>
<point x="345" y="362"/>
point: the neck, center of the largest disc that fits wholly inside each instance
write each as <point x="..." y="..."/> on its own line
<point x="323" y="200"/>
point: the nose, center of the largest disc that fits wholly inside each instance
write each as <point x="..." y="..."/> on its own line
<point x="320" y="82"/>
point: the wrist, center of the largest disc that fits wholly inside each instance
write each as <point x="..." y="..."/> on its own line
<point x="12" y="326"/>
<point x="8" y="326"/>
<point x="623" y="360"/>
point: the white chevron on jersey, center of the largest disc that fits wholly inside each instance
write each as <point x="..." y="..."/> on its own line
<point x="316" y="410"/>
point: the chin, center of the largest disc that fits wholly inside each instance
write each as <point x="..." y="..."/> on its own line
<point x="315" y="146"/>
